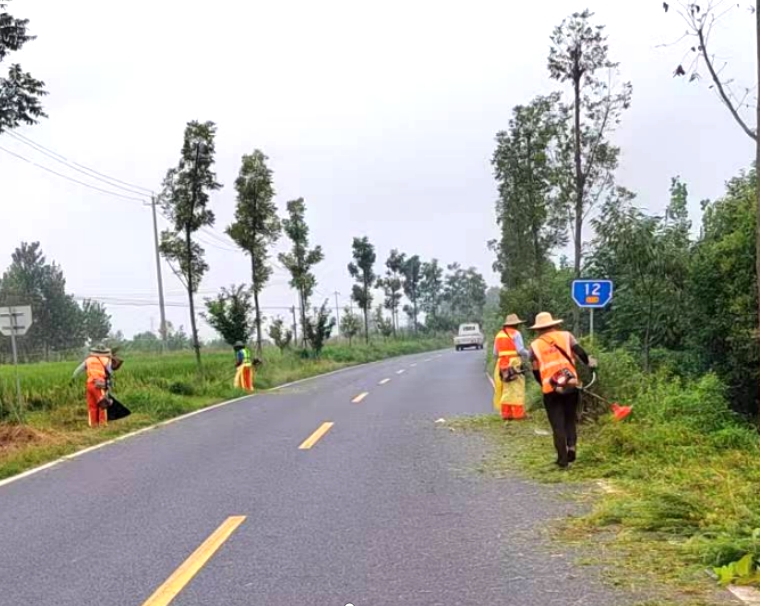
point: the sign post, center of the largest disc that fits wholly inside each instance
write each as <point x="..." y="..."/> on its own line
<point x="15" y="322"/>
<point x="592" y="294"/>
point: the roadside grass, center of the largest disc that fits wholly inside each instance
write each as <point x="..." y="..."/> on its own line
<point x="155" y="388"/>
<point x="669" y="492"/>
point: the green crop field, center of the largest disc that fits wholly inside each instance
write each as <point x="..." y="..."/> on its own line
<point x="155" y="388"/>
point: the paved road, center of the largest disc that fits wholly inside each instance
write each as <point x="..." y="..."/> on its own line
<point x="384" y="508"/>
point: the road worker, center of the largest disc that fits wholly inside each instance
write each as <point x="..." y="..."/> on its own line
<point x="553" y="354"/>
<point x="99" y="368"/>
<point x="509" y="382"/>
<point x="244" y="374"/>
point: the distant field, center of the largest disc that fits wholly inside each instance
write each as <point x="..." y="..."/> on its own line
<point x="155" y="388"/>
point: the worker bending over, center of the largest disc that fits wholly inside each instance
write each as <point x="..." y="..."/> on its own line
<point x="553" y="353"/>
<point x="509" y="382"/>
<point x="244" y="375"/>
<point x="99" y="369"/>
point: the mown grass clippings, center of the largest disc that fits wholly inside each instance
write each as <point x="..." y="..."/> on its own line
<point x="155" y="388"/>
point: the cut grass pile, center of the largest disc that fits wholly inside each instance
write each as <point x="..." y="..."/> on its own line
<point x="676" y="486"/>
<point x="155" y="388"/>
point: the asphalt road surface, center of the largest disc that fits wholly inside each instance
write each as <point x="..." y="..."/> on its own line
<point x="247" y="505"/>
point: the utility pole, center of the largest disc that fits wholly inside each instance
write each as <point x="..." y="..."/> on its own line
<point x="162" y="328"/>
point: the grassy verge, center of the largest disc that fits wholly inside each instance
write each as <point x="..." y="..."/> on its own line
<point x="672" y="490"/>
<point x="155" y="388"/>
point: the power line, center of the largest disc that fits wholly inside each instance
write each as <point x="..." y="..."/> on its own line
<point x="60" y="158"/>
<point x="50" y="170"/>
<point x="71" y="165"/>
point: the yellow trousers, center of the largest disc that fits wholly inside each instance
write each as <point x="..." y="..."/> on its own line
<point x="508" y="398"/>
<point x="244" y="377"/>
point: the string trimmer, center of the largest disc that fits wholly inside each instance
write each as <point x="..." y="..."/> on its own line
<point x="619" y="412"/>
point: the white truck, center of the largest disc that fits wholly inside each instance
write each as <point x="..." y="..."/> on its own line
<point x="469" y="335"/>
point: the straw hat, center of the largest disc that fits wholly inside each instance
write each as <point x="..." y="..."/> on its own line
<point x="545" y="320"/>
<point x="513" y="320"/>
<point x="100" y="349"/>
<point x="238" y="344"/>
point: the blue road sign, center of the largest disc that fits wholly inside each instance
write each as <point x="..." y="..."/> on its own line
<point x="594" y="294"/>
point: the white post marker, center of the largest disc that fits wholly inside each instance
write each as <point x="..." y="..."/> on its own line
<point x="15" y="322"/>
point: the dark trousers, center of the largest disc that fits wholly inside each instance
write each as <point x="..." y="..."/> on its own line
<point x="562" y="410"/>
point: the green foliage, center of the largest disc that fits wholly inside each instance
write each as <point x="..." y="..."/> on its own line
<point x="531" y="207"/>
<point x="412" y="272"/>
<point x="741" y="572"/>
<point x="20" y="93"/>
<point x="318" y="328"/>
<point x="464" y="294"/>
<point x="383" y="325"/>
<point x="362" y="270"/>
<point x="300" y="260"/>
<point x="97" y="322"/>
<point x="257" y="227"/>
<point x="350" y="324"/>
<point x="392" y="285"/>
<point x="431" y="288"/>
<point x="281" y="336"/>
<point x="230" y="314"/>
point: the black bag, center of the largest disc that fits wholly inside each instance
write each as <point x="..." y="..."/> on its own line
<point x="117" y="410"/>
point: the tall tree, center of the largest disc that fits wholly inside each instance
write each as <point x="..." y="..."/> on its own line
<point x="230" y="314"/>
<point x="531" y="207"/>
<point x="256" y="227"/>
<point x="97" y="322"/>
<point x="57" y="319"/>
<point x="280" y="335"/>
<point x="464" y="293"/>
<point x="392" y="285"/>
<point x="362" y="270"/>
<point x="431" y="288"/>
<point x="700" y="20"/>
<point x="20" y="93"/>
<point x="580" y="55"/>
<point x="412" y="271"/>
<point x="300" y="260"/>
<point x="184" y="200"/>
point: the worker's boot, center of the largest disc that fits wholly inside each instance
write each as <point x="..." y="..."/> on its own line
<point x="571" y="455"/>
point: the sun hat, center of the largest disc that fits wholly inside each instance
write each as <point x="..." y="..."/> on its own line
<point x="545" y="320"/>
<point x="513" y="320"/>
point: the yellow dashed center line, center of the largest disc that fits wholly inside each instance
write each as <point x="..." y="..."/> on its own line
<point x="384" y="381"/>
<point x="314" y="438"/>
<point x="190" y="567"/>
<point x="360" y="397"/>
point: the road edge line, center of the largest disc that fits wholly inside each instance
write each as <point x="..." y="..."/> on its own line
<point x="137" y="432"/>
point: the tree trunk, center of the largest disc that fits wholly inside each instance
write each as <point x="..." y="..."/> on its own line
<point x="414" y="304"/>
<point x="579" y="186"/>
<point x="647" y="336"/>
<point x="537" y="265"/>
<point x="303" y="317"/>
<point x="366" y="312"/>
<point x="255" y="285"/>
<point x="193" y="327"/>
<point x="757" y="177"/>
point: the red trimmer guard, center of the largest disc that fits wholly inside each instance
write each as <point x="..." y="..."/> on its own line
<point x="620" y="412"/>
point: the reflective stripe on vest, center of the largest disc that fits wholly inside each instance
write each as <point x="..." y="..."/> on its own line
<point x="505" y="349"/>
<point x="550" y="360"/>
<point x="96" y="368"/>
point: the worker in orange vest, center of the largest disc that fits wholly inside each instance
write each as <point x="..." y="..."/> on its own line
<point x="99" y="368"/>
<point x="509" y="383"/>
<point x="553" y="354"/>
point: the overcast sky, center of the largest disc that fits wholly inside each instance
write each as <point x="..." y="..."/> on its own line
<point x="381" y="115"/>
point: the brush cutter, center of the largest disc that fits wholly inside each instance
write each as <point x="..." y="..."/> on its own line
<point x="618" y="412"/>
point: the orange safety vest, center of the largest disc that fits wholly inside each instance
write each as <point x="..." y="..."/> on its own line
<point x="550" y="359"/>
<point x="96" y="368"/>
<point x="505" y="348"/>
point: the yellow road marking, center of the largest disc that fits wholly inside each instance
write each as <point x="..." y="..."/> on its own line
<point x="400" y="372"/>
<point x="384" y="381"/>
<point x="314" y="438"/>
<point x="190" y="567"/>
<point x="360" y="397"/>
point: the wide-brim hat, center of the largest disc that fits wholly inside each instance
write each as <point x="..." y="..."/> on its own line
<point x="513" y="320"/>
<point x="238" y="344"/>
<point x="545" y="320"/>
<point x="100" y="350"/>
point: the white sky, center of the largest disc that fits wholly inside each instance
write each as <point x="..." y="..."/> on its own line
<point x="381" y="115"/>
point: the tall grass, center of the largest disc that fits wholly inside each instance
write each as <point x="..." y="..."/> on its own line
<point x="155" y="388"/>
